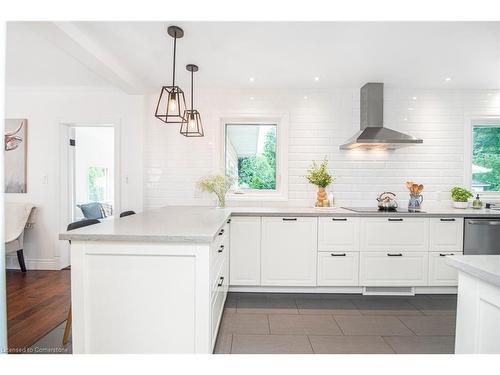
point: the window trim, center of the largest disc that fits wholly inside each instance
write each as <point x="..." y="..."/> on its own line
<point x="470" y="122"/>
<point x="281" y="121"/>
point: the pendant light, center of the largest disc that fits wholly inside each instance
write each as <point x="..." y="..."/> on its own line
<point x="191" y="125"/>
<point x="172" y="104"/>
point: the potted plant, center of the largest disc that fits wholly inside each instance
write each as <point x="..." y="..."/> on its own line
<point x="318" y="175"/>
<point x="217" y="184"/>
<point x="460" y="197"/>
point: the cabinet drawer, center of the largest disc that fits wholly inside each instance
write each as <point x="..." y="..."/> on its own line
<point x="393" y="269"/>
<point x="440" y="274"/>
<point x="395" y="234"/>
<point x="218" y="299"/>
<point x="338" y="269"/>
<point x="245" y="251"/>
<point x="446" y="234"/>
<point x="338" y="234"/>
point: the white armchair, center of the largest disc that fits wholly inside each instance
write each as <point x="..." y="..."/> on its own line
<point x="18" y="217"/>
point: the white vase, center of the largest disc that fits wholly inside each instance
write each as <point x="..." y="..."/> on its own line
<point x="460" y="204"/>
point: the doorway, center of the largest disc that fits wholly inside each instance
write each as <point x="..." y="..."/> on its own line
<point x="92" y="172"/>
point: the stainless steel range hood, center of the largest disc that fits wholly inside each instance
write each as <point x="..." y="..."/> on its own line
<point x="373" y="135"/>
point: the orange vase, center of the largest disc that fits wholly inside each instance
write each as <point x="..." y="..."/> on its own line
<point x="321" y="197"/>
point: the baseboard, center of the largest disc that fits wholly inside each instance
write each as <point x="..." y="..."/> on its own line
<point x="331" y="289"/>
<point x="32" y="264"/>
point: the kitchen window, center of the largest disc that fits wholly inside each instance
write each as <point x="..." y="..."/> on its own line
<point x="253" y="158"/>
<point x="484" y="157"/>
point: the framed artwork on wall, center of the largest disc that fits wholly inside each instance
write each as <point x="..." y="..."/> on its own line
<point x="15" y="150"/>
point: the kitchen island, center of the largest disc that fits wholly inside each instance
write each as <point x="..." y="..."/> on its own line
<point x="156" y="282"/>
<point x="478" y="308"/>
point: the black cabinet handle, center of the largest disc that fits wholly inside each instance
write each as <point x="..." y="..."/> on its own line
<point x="394" y="255"/>
<point x="229" y="221"/>
<point x="395" y="219"/>
<point x="221" y="248"/>
<point x="338" y="255"/>
<point x="289" y="219"/>
<point x="447" y="219"/>
<point x="221" y="281"/>
<point x="342" y="219"/>
<point x="221" y="232"/>
<point x="443" y="255"/>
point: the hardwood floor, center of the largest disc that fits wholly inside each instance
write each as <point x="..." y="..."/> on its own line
<point x="37" y="302"/>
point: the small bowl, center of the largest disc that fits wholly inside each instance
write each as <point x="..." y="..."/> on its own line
<point x="461" y="205"/>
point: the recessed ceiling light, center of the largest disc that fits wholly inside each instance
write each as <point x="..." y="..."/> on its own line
<point x="405" y="119"/>
<point x="251" y="98"/>
<point x="410" y="109"/>
<point x="447" y="79"/>
<point x="305" y="97"/>
<point x="316" y="79"/>
<point x="414" y="98"/>
<point x="251" y="79"/>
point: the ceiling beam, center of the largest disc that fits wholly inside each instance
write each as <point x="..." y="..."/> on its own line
<point x="70" y="38"/>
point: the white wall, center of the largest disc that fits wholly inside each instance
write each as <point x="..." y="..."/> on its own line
<point x="45" y="109"/>
<point x="318" y="125"/>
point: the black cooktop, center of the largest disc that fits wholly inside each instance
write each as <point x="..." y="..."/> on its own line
<point x="375" y="210"/>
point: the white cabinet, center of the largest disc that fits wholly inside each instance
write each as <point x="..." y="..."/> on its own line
<point x="289" y="251"/>
<point x="393" y="269"/>
<point x="395" y="234"/>
<point x="245" y="251"/>
<point x="440" y="274"/>
<point x="446" y="234"/>
<point x="338" y="234"/>
<point x="338" y="269"/>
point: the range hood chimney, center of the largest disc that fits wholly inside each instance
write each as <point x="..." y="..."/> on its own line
<point x="373" y="135"/>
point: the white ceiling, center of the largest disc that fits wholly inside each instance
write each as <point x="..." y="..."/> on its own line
<point x="277" y="55"/>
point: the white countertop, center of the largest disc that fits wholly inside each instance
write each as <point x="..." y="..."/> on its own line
<point x="484" y="267"/>
<point x="201" y="224"/>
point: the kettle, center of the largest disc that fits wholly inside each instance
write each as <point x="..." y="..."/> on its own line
<point x="387" y="201"/>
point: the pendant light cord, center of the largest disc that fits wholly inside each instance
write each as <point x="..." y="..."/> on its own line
<point x="192" y="92"/>
<point x="173" y="70"/>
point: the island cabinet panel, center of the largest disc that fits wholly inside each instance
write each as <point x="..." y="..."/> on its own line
<point x="446" y="234"/>
<point x="400" y="234"/>
<point x="289" y="251"/>
<point x="440" y="274"/>
<point x="338" y="234"/>
<point x="245" y="250"/>
<point x="338" y="269"/>
<point x="394" y="268"/>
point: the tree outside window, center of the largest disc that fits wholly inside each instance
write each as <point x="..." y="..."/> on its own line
<point x="486" y="158"/>
<point x="97" y="184"/>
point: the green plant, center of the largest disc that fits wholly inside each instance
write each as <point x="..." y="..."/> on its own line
<point x="259" y="171"/>
<point x="459" y="194"/>
<point x="217" y="184"/>
<point x="318" y="174"/>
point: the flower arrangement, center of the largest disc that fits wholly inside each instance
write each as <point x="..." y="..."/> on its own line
<point x="459" y="194"/>
<point x="217" y="184"/>
<point x="318" y="175"/>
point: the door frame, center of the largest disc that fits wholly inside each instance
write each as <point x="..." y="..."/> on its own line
<point x="65" y="160"/>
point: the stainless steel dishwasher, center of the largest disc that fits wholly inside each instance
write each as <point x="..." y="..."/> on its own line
<point x="482" y="236"/>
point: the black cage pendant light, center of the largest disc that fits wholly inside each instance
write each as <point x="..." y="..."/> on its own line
<point x="191" y="125"/>
<point x="172" y="103"/>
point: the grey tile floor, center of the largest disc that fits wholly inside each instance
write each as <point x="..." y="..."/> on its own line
<point x="266" y="323"/>
<point x="257" y="323"/>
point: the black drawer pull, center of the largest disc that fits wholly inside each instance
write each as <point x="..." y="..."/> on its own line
<point x="395" y="219"/>
<point x="221" y="232"/>
<point x="221" y="249"/>
<point x="289" y="219"/>
<point x="338" y="255"/>
<point x="394" y="255"/>
<point x="229" y="221"/>
<point x="443" y="255"/>
<point x="447" y="219"/>
<point x="342" y="219"/>
<point x="221" y="281"/>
